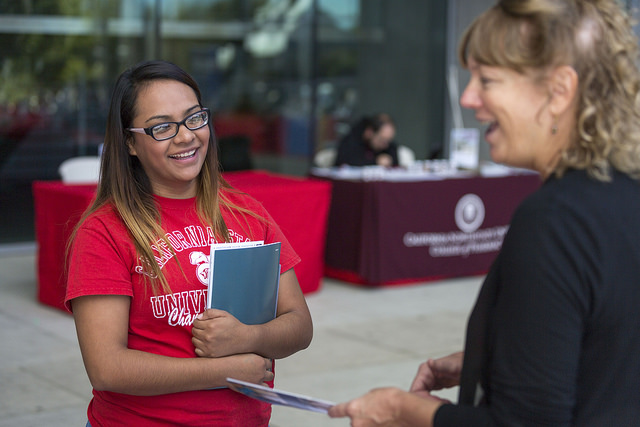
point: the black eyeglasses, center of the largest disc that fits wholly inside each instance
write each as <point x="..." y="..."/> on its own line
<point x="168" y="130"/>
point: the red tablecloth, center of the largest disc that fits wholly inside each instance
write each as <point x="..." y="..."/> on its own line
<point x="300" y="206"/>
<point x="389" y="233"/>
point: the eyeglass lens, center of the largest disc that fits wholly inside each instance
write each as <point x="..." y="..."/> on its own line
<point x="169" y="130"/>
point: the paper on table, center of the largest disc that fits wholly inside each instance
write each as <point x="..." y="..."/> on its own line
<point x="280" y="397"/>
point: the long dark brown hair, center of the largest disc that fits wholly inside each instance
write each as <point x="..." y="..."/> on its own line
<point x="124" y="183"/>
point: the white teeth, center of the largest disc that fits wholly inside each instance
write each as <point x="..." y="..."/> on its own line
<point x="184" y="155"/>
<point x="490" y="124"/>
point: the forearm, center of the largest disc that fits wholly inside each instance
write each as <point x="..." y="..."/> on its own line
<point x="102" y="325"/>
<point x="216" y="333"/>
<point x="282" y="337"/>
<point x="139" y="373"/>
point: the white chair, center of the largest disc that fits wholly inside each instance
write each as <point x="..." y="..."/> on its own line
<point x="80" y="170"/>
<point x="326" y="157"/>
<point x="406" y="156"/>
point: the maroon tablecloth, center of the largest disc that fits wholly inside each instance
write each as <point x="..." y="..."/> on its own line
<point x="300" y="206"/>
<point x="389" y="233"/>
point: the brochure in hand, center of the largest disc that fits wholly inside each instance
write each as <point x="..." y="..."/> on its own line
<point x="279" y="397"/>
<point x="244" y="279"/>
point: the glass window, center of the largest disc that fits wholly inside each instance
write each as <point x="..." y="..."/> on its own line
<point x="288" y="76"/>
<point x="58" y="61"/>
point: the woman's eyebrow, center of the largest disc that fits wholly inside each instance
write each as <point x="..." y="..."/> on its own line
<point x="167" y="118"/>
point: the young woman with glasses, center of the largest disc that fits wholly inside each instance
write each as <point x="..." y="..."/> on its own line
<point x="152" y="352"/>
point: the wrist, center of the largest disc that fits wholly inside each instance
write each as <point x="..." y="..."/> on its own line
<point x="413" y="409"/>
<point x="252" y="339"/>
<point x="398" y="402"/>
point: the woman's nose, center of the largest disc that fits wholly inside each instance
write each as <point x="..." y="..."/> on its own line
<point x="184" y="135"/>
<point x="470" y="98"/>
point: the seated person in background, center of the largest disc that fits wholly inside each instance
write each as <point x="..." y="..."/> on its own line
<point x="370" y="142"/>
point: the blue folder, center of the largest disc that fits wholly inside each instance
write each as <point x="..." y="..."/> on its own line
<point x="244" y="281"/>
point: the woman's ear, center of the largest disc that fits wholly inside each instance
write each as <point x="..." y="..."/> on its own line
<point x="131" y="147"/>
<point x="563" y="87"/>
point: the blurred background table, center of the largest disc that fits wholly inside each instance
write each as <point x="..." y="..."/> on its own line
<point x="391" y="228"/>
<point x="300" y="206"/>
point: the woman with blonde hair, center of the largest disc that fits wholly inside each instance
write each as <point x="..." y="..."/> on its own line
<point x="553" y="339"/>
<point x="136" y="283"/>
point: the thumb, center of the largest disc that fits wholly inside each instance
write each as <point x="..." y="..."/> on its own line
<point x="338" y="411"/>
<point x="210" y="313"/>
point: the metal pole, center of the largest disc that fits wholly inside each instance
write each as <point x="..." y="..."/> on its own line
<point x="314" y="82"/>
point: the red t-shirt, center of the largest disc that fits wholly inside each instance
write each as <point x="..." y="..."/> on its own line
<point x="103" y="262"/>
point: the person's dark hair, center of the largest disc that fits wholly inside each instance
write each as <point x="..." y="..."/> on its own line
<point x="124" y="183"/>
<point x="121" y="114"/>
<point x="373" y="122"/>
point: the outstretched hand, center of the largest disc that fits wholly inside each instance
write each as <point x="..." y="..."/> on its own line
<point x="375" y="408"/>
<point x="391" y="406"/>
<point x="385" y="407"/>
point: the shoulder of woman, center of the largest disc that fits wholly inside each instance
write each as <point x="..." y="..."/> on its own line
<point x="105" y="217"/>
<point x="234" y="199"/>
<point x="573" y="200"/>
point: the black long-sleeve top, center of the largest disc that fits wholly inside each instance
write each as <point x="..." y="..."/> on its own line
<point x="353" y="150"/>
<point x="555" y="333"/>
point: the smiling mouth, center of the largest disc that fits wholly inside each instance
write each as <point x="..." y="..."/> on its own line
<point x="187" y="155"/>
<point x="491" y="126"/>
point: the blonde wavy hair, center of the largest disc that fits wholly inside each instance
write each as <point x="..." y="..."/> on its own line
<point x="594" y="37"/>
